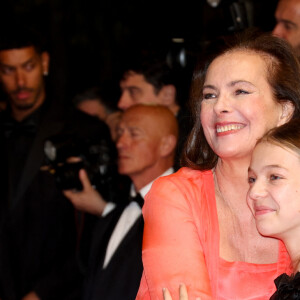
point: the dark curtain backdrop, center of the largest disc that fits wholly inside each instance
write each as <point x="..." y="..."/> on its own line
<point x="90" y="41"/>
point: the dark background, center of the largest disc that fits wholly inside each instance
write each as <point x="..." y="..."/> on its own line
<point x="90" y="41"/>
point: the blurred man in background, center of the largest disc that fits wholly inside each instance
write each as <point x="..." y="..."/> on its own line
<point x="152" y="81"/>
<point x="38" y="232"/>
<point x="288" y="22"/>
<point x="98" y="102"/>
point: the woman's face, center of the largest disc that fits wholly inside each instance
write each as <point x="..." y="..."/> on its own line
<point x="274" y="194"/>
<point x="238" y="106"/>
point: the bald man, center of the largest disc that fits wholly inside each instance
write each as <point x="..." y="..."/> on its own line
<point x="146" y="144"/>
<point x="288" y="22"/>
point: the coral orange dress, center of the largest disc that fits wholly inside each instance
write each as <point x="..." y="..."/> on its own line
<point x="181" y="244"/>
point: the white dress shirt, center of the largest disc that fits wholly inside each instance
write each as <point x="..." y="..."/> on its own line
<point x="129" y="216"/>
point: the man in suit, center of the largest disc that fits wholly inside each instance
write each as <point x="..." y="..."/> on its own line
<point x="37" y="233"/>
<point x="23" y="66"/>
<point x="153" y="81"/>
<point x="146" y="145"/>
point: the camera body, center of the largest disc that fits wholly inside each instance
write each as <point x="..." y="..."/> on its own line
<point x="66" y="154"/>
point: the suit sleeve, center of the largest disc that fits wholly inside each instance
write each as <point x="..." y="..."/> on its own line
<point x="172" y="250"/>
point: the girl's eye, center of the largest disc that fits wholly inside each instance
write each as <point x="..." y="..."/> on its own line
<point x="251" y="180"/>
<point x="241" y="92"/>
<point x="274" y="177"/>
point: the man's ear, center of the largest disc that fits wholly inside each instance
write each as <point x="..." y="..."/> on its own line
<point x="167" y="145"/>
<point x="288" y="109"/>
<point x="168" y="95"/>
<point x="45" y="62"/>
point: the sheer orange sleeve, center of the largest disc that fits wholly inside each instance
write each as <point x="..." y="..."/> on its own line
<point x="172" y="250"/>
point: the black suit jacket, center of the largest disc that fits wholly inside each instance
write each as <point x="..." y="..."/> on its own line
<point x="121" y="277"/>
<point x="38" y="232"/>
<point x="38" y="243"/>
<point x="49" y="126"/>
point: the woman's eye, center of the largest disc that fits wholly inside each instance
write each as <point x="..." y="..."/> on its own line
<point x="209" y="96"/>
<point x="241" y="92"/>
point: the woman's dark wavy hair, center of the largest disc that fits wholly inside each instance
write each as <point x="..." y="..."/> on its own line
<point x="283" y="74"/>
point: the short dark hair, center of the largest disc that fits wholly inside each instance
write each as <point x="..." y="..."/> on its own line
<point x="20" y="36"/>
<point x="105" y="96"/>
<point x="155" y="71"/>
<point x="283" y="74"/>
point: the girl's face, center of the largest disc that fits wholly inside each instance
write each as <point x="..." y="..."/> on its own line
<point x="238" y="106"/>
<point x="274" y="193"/>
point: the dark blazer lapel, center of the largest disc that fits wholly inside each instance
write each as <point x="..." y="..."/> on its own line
<point x="121" y="277"/>
<point x="36" y="155"/>
<point x="101" y="234"/>
<point x="136" y="232"/>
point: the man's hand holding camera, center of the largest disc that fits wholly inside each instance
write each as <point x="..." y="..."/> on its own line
<point x="88" y="199"/>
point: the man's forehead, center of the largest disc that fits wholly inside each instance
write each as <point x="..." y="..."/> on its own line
<point x="133" y="78"/>
<point x="17" y="56"/>
<point x="288" y="8"/>
<point x="136" y="118"/>
<point x="130" y="119"/>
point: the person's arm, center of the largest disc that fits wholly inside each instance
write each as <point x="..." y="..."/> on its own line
<point x="88" y="200"/>
<point x="172" y="251"/>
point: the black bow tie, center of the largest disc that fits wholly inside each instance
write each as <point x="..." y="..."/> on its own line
<point x="138" y="199"/>
<point x="14" y="128"/>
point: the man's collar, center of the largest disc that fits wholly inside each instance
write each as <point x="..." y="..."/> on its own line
<point x="144" y="190"/>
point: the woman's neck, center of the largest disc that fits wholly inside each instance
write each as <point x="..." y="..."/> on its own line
<point x="231" y="183"/>
<point x="234" y="170"/>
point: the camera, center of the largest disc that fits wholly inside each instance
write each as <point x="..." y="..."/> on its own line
<point x="67" y="154"/>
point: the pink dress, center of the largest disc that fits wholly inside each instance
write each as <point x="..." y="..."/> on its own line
<point x="181" y="244"/>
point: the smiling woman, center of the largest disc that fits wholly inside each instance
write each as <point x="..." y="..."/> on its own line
<point x="198" y="227"/>
<point x="238" y="102"/>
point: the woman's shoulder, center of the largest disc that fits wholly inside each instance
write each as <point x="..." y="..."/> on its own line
<point x="186" y="179"/>
<point x="188" y="174"/>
